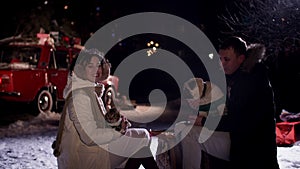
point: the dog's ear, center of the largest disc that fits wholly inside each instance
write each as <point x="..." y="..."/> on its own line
<point x="105" y="66"/>
<point x="193" y="88"/>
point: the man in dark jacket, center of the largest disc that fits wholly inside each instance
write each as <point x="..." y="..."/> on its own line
<point x="245" y="135"/>
<point x="250" y="109"/>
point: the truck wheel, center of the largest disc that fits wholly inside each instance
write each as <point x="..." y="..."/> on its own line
<point x="43" y="102"/>
<point x="108" y="98"/>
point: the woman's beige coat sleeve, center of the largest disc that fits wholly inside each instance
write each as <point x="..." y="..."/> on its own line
<point x="88" y="128"/>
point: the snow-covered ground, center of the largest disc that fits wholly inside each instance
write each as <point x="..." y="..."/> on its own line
<point x="27" y="145"/>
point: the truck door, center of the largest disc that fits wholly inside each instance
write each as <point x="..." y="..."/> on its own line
<point x="58" y="70"/>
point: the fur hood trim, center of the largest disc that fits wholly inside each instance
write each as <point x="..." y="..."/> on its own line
<point x="255" y="53"/>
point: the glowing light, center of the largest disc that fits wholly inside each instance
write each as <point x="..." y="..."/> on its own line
<point x="149" y="52"/>
<point x="66" y="7"/>
<point x="45" y="2"/>
<point x="153" y="49"/>
<point x="211" y="55"/>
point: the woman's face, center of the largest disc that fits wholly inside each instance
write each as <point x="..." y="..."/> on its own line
<point x="93" y="70"/>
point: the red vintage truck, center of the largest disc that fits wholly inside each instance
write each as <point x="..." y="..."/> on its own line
<point x="35" y="72"/>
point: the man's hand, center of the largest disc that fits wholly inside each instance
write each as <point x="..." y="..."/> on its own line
<point x="196" y="119"/>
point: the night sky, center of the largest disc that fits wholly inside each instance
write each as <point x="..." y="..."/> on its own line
<point x="199" y="12"/>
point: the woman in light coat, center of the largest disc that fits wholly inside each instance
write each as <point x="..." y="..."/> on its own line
<point x="87" y="141"/>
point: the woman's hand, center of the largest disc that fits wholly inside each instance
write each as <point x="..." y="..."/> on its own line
<point x="124" y="125"/>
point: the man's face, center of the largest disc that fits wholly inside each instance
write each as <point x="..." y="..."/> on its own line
<point x="230" y="60"/>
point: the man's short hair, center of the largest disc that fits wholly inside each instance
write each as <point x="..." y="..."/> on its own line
<point x="238" y="44"/>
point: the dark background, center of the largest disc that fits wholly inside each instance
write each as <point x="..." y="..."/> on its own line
<point x="271" y="22"/>
<point x="89" y="16"/>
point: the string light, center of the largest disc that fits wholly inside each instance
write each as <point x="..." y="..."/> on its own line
<point x="153" y="47"/>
